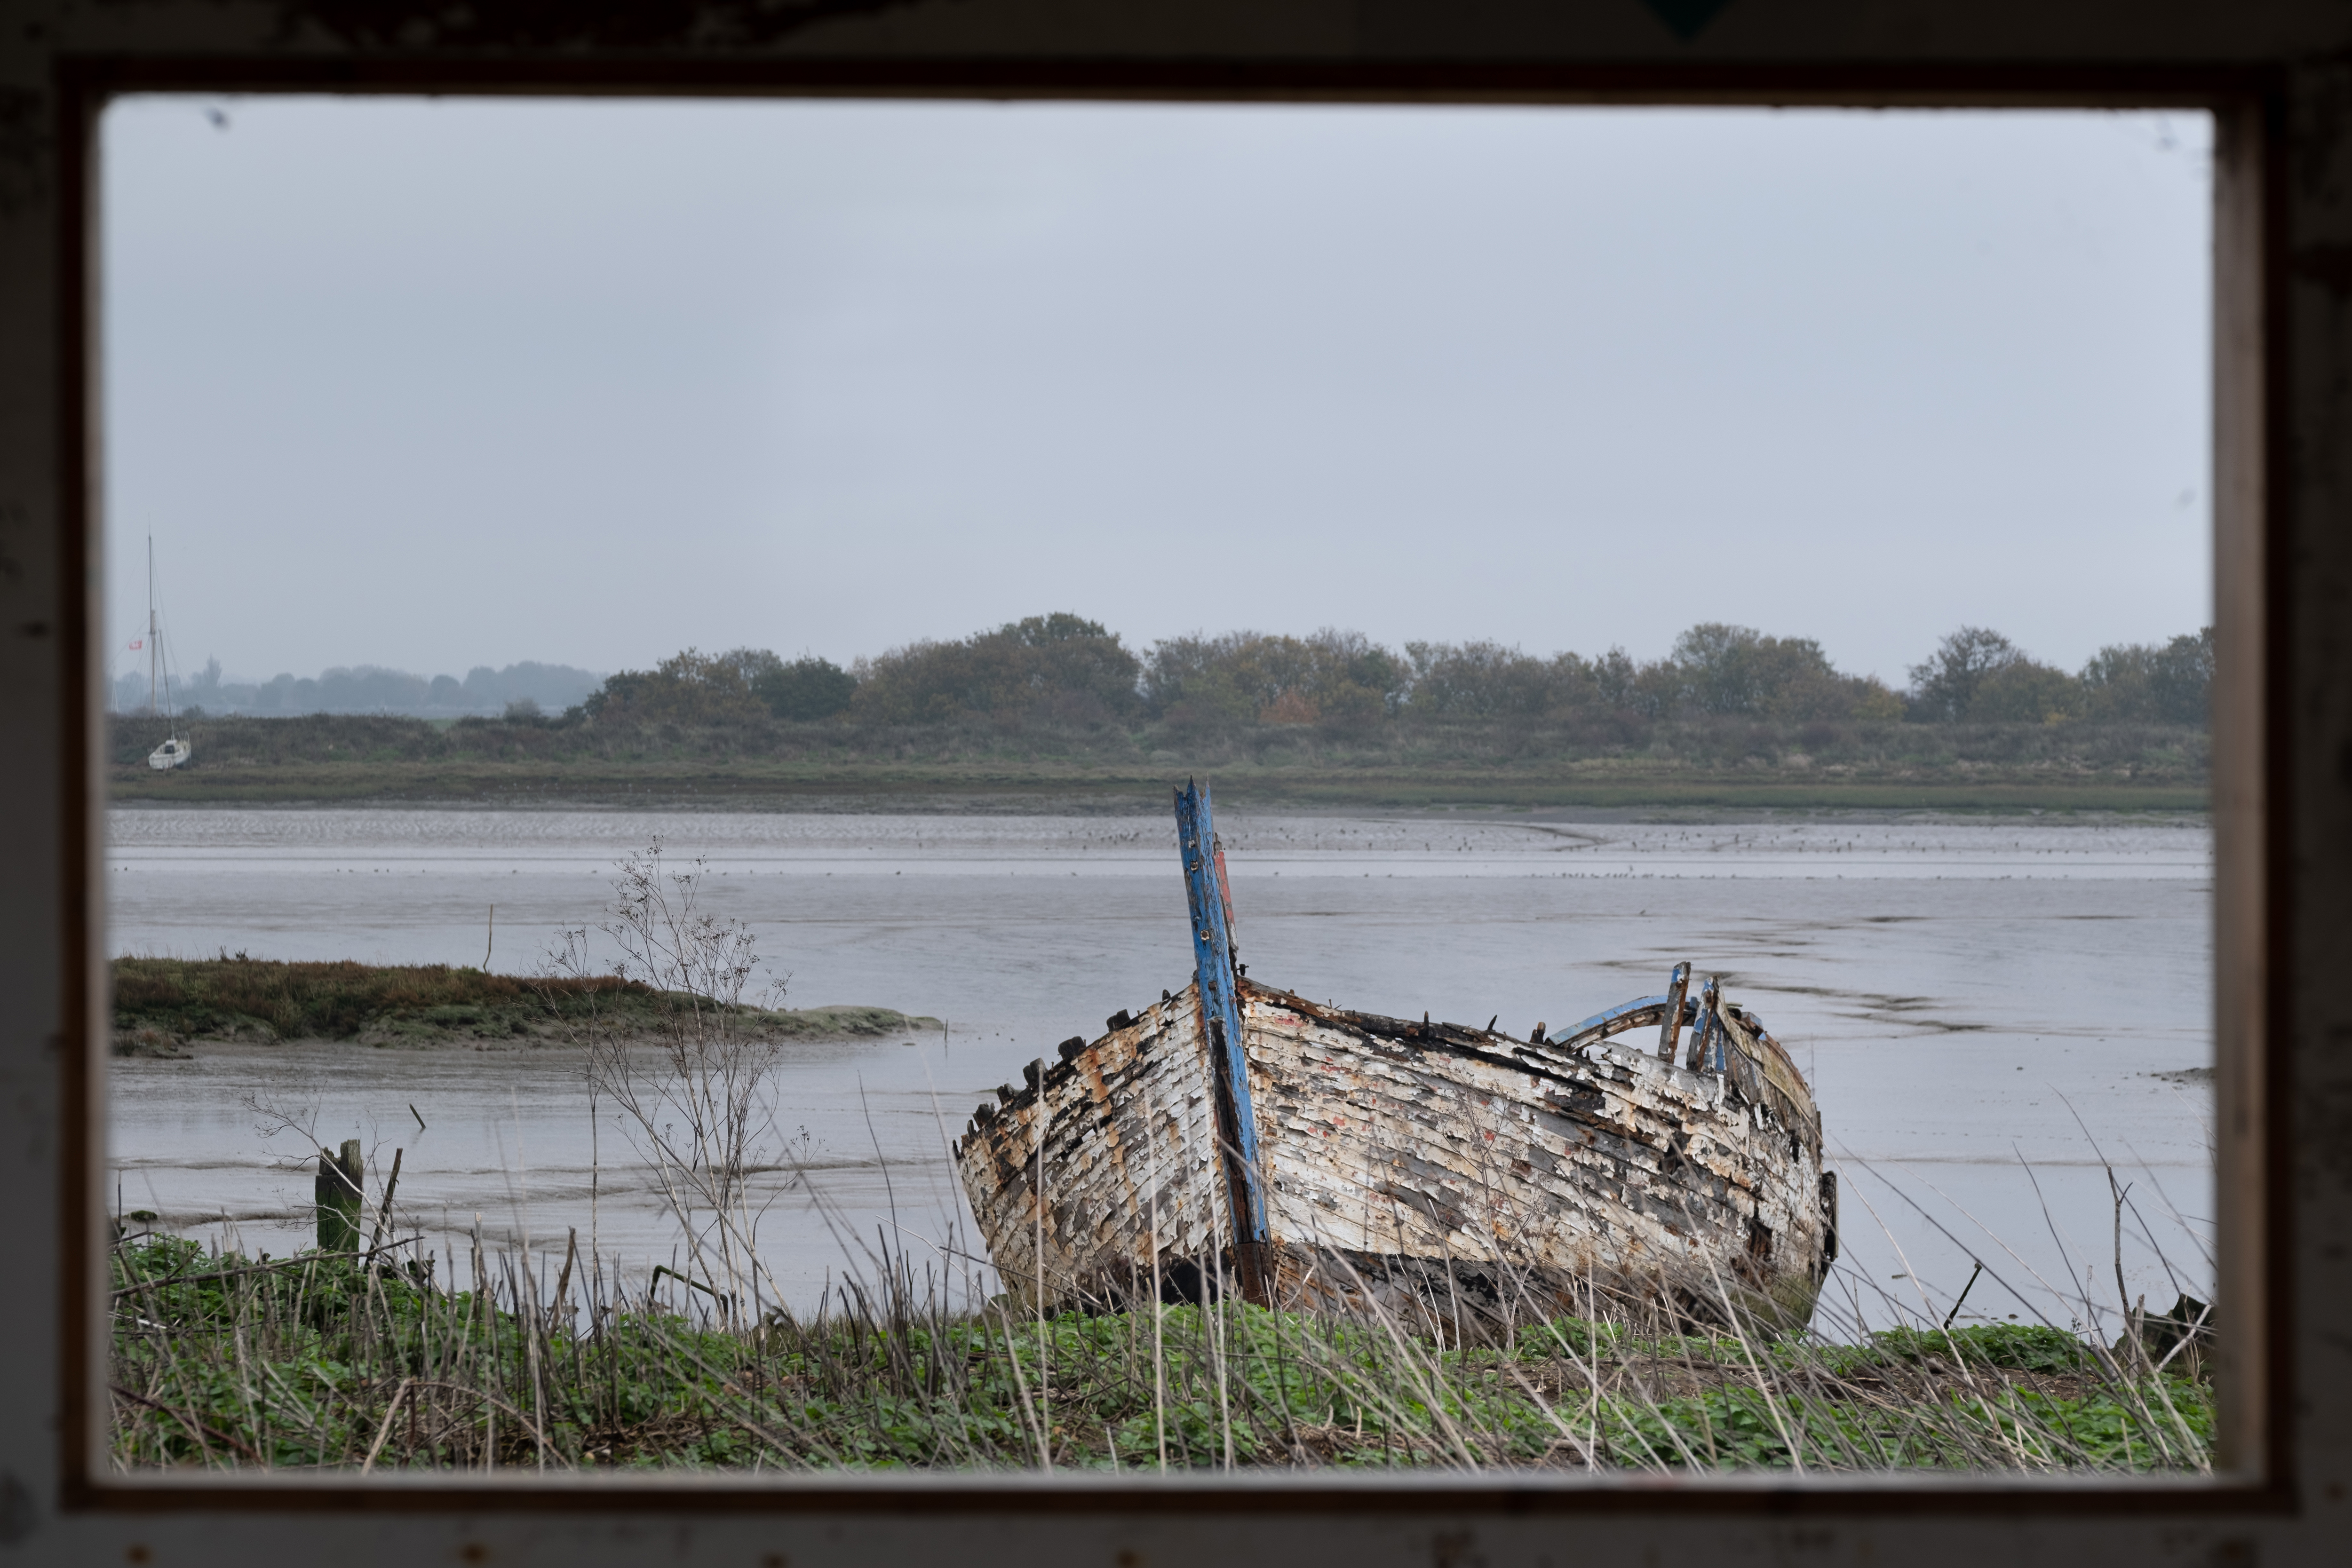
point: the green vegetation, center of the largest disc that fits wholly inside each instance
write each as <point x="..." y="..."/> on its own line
<point x="1977" y="674"/>
<point x="225" y="1361"/>
<point x="1056" y="670"/>
<point x="1063" y="672"/>
<point x="163" y="1004"/>
<point x="1056" y="707"/>
<point x="977" y="767"/>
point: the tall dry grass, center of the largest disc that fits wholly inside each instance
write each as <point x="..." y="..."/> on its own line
<point x="368" y="1362"/>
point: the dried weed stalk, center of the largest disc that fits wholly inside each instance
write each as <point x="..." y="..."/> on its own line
<point x="693" y="1086"/>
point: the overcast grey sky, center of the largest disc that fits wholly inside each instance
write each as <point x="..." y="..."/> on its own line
<point x="434" y="384"/>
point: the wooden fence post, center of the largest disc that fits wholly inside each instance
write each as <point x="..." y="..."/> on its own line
<point x="337" y="1191"/>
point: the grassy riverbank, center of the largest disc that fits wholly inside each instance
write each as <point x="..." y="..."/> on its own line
<point x="352" y="759"/>
<point x="1043" y="788"/>
<point x="223" y="1361"/>
<point x="163" y="1005"/>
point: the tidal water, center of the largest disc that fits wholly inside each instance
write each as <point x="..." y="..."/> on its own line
<point x="1993" y="1012"/>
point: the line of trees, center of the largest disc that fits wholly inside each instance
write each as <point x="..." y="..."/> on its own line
<point x="1980" y="676"/>
<point x="1066" y="671"/>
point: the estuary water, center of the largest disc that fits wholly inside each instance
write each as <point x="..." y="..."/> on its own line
<point x="1993" y="1012"/>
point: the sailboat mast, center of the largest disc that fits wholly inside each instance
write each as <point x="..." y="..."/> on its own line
<point x="152" y="649"/>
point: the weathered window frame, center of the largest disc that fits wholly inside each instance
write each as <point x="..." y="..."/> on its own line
<point x="2249" y="799"/>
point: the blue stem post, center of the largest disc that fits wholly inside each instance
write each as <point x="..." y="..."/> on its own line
<point x="1221" y="1017"/>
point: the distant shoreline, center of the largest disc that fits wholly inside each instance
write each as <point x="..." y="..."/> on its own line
<point x="976" y="763"/>
<point x="1046" y="789"/>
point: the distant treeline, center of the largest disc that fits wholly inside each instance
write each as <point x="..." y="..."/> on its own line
<point x="1064" y="672"/>
<point x="1059" y="697"/>
<point x="528" y="687"/>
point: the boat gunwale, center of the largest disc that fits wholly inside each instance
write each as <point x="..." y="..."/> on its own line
<point x="1469" y="1040"/>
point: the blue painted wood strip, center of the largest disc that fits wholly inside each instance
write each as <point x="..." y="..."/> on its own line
<point x="1212" y="966"/>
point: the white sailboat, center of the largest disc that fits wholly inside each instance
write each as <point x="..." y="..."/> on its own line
<point x="175" y="750"/>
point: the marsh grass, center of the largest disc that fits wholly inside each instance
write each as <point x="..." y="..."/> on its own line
<point x="161" y="1004"/>
<point x="989" y="764"/>
<point x="222" y="1362"/>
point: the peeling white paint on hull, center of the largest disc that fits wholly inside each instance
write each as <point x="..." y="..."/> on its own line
<point x="1427" y="1170"/>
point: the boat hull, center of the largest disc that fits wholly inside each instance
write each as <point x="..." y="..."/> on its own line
<point x="1419" y="1170"/>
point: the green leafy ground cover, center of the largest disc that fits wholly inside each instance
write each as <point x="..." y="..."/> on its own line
<point x="324" y="1362"/>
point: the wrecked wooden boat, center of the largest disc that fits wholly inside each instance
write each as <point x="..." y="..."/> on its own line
<point x="1660" y="1159"/>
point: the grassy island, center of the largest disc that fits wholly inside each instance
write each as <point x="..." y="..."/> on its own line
<point x="161" y="1005"/>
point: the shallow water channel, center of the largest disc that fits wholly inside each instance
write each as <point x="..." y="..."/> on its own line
<point x="1985" y="1008"/>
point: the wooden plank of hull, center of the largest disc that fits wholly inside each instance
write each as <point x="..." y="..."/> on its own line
<point x="1549" y="1174"/>
<point x="1128" y="1122"/>
<point x="1413" y="1168"/>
